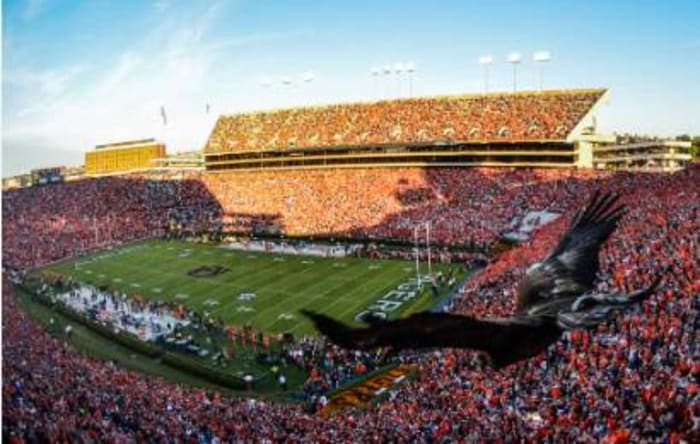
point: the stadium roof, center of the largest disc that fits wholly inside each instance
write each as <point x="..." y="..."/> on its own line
<point x="525" y="116"/>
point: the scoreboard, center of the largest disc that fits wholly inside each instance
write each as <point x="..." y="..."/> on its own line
<point x="47" y="176"/>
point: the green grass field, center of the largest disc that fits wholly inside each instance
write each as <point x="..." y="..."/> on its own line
<point x="282" y="284"/>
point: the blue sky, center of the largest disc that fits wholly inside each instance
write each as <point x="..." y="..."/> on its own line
<point x="78" y="73"/>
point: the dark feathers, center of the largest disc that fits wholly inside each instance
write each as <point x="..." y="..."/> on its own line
<point x="428" y="330"/>
<point x="555" y="295"/>
<point x="571" y="267"/>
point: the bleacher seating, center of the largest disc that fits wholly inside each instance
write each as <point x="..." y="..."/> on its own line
<point x="527" y="116"/>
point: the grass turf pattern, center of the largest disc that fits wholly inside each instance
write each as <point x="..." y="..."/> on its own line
<point x="281" y="284"/>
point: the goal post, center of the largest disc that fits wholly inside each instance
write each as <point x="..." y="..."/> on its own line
<point x="417" y="229"/>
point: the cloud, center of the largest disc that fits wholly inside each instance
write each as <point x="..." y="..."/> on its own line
<point x="175" y="64"/>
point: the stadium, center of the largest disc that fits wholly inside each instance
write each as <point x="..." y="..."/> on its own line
<point x="156" y="298"/>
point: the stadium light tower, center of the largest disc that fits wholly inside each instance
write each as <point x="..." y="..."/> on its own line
<point x="287" y="83"/>
<point x="485" y="62"/>
<point x="541" y="57"/>
<point x="398" y="69"/>
<point x="375" y="71"/>
<point x="308" y="77"/>
<point x="514" y="59"/>
<point x="387" y="73"/>
<point x="410" y="69"/>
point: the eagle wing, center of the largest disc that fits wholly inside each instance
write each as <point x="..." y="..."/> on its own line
<point x="571" y="267"/>
<point x="504" y="340"/>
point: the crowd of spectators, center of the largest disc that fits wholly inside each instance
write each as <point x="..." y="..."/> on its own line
<point x="634" y="379"/>
<point x="549" y="115"/>
<point x="45" y="224"/>
<point x="389" y="203"/>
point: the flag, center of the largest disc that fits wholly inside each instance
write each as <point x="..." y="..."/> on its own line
<point x="163" y="115"/>
<point x="208" y="108"/>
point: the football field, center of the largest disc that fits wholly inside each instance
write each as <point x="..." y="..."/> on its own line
<point x="265" y="291"/>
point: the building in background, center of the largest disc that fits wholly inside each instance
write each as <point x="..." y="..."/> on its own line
<point x="18" y="181"/>
<point x="650" y="155"/>
<point x="123" y="157"/>
<point x="184" y="161"/>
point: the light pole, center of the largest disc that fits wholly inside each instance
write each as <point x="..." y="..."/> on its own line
<point x="485" y="62"/>
<point x="375" y="71"/>
<point x="387" y="73"/>
<point x="398" y="69"/>
<point x="541" y="57"/>
<point x="410" y="69"/>
<point x="308" y="77"/>
<point x="287" y="87"/>
<point x="514" y="58"/>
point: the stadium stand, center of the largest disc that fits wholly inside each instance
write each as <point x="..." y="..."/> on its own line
<point x="632" y="380"/>
<point x="549" y="115"/>
<point x="523" y="128"/>
<point x="42" y="225"/>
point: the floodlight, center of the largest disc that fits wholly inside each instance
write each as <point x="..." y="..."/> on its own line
<point x="486" y="61"/>
<point x="375" y="71"/>
<point x="541" y="56"/>
<point x="387" y="69"/>
<point x="287" y="80"/>
<point x="410" y="67"/>
<point x="308" y="76"/>
<point x="266" y="82"/>
<point x="514" y="57"/>
<point x="398" y="67"/>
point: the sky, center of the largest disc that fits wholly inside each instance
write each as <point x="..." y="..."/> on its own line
<point x="76" y="73"/>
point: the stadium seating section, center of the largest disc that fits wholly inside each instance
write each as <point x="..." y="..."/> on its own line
<point x="634" y="379"/>
<point x="549" y="115"/>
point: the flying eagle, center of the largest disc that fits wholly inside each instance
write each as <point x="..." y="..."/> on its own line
<point x="556" y="295"/>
